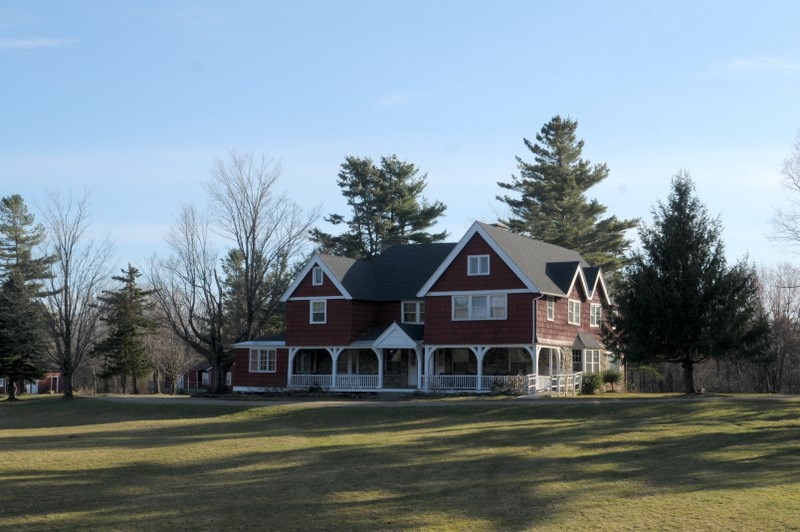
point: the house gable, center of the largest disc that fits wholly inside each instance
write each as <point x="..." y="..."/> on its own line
<point x="303" y="285"/>
<point x="452" y="272"/>
<point x="394" y="337"/>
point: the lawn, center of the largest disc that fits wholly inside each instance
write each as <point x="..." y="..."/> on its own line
<point x="558" y="464"/>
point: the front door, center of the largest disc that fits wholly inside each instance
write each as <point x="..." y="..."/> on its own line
<point x="412" y="368"/>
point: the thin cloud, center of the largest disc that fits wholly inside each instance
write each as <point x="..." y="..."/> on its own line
<point x="31" y="43"/>
<point x="754" y="65"/>
<point x="393" y="100"/>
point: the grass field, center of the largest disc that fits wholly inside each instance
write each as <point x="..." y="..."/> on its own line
<point x="559" y="464"/>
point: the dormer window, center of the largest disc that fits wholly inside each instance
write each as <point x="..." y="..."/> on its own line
<point x="316" y="276"/>
<point x="478" y="265"/>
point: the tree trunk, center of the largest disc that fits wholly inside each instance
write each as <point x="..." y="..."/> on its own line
<point x="67" y="379"/>
<point x="688" y="376"/>
<point x="12" y="390"/>
<point x="156" y="385"/>
<point x="135" y="380"/>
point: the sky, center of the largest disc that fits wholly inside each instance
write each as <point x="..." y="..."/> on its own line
<point x="135" y="101"/>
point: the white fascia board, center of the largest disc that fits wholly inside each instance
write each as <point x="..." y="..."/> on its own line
<point x="602" y="282"/>
<point x="584" y="284"/>
<point x="255" y="343"/>
<point x="315" y="260"/>
<point x="408" y="342"/>
<point x="476" y="228"/>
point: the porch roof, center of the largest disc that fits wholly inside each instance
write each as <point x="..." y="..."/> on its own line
<point x="368" y="339"/>
<point x="586" y="341"/>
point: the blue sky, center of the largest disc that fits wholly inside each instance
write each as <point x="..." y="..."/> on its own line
<point x="135" y="101"/>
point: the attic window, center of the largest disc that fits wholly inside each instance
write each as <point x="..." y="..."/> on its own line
<point x="316" y="276"/>
<point x="478" y="265"/>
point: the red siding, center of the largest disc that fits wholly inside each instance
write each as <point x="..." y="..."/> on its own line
<point x="516" y="329"/>
<point x="241" y="376"/>
<point x="307" y="289"/>
<point x="346" y="320"/>
<point x="559" y="329"/>
<point x="455" y="276"/>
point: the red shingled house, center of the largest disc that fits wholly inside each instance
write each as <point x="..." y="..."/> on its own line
<point x="495" y="310"/>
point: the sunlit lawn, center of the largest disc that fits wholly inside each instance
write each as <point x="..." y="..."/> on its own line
<point x="557" y="464"/>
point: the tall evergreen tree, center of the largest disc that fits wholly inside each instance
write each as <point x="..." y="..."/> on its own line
<point x="678" y="300"/>
<point x="126" y="312"/>
<point x="386" y="206"/>
<point x="550" y="202"/>
<point x="22" y="333"/>
<point x="21" y="312"/>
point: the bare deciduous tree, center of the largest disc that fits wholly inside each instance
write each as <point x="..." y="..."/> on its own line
<point x="80" y="269"/>
<point x="189" y="290"/>
<point x="780" y="293"/>
<point x="787" y="221"/>
<point x="170" y="357"/>
<point x="267" y="231"/>
<point x="265" y="228"/>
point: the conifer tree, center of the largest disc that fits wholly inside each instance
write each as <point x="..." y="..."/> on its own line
<point x="125" y="315"/>
<point x="22" y="336"/>
<point x="678" y="300"/>
<point x="386" y="206"/>
<point x="550" y="202"/>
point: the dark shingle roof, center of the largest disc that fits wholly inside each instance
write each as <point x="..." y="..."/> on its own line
<point x="396" y="274"/>
<point x="415" y="332"/>
<point x="586" y="341"/>
<point x="546" y="265"/>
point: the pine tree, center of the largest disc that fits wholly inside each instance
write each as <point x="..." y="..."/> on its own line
<point x="678" y="300"/>
<point x="125" y="315"/>
<point x="22" y="336"/>
<point x="22" y="333"/>
<point x="386" y="206"/>
<point x="551" y="204"/>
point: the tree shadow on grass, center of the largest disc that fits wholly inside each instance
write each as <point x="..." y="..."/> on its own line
<point x="485" y="466"/>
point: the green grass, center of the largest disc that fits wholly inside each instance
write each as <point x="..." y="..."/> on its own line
<point x="500" y="465"/>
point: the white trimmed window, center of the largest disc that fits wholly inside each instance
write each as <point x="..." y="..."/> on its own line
<point x="591" y="360"/>
<point x="480" y="307"/>
<point x="204" y="379"/>
<point x="318" y="311"/>
<point x="228" y="379"/>
<point x="263" y="360"/>
<point x="551" y="308"/>
<point x="478" y="265"/>
<point x="586" y="360"/>
<point x="316" y="276"/>
<point x="413" y="312"/>
<point x="595" y="313"/>
<point x="574" y="312"/>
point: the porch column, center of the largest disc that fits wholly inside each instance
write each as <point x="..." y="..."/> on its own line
<point x="418" y="354"/>
<point x="479" y="353"/>
<point x="334" y="352"/>
<point x="429" y="351"/>
<point x="533" y="351"/>
<point x="379" y="353"/>
<point x="292" y="352"/>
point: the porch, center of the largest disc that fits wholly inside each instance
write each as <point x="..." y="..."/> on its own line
<point x="434" y="370"/>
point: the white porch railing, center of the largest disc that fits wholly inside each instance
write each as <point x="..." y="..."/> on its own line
<point x="451" y="382"/>
<point x="305" y="381"/>
<point x="357" y="382"/>
<point x="566" y="383"/>
<point x="542" y="383"/>
<point x="505" y="382"/>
